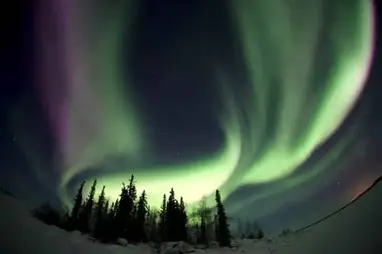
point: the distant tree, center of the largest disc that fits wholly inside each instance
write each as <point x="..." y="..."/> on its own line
<point x="142" y="210"/>
<point x="205" y="222"/>
<point x="116" y="207"/>
<point x="122" y="213"/>
<point x="124" y="218"/>
<point x="216" y="228"/>
<point x="171" y="218"/>
<point x="224" y="235"/>
<point x="162" y="219"/>
<point x="132" y="189"/>
<point x="203" y="231"/>
<point x="73" y="219"/>
<point x="260" y="234"/>
<point x="285" y="232"/>
<point x="48" y="215"/>
<point x="86" y="212"/>
<point x="153" y="225"/>
<point x="106" y="207"/>
<point x="100" y="215"/>
<point x="183" y="220"/>
<point x="110" y="231"/>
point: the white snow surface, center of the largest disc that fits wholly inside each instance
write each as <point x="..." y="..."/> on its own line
<point x="355" y="229"/>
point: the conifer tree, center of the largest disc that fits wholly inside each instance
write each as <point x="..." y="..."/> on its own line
<point x="224" y="235"/>
<point x="100" y="214"/>
<point x="73" y="220"/>
<point x="86" y="213"/>
<point x="183" y="220"/>
<point x="170" y="219"/>
<point x="110" y="227"/>
<point x="216" y="228"/>
<point x="132" y="190"/>
<point x="142" y="209"/>
<point x="131" y="217"/>
<point x="116" y="207"/>
<point x="153" y="227"/>
<point x="203" y="231"/>
<point x="162" y="219"/>
<point x="106" y="207"/>
<point x="122" y="213"/>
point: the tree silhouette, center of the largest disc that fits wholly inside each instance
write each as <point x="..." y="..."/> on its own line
<point x="153" y="225"/>
<point x="170" y="218"/>
<point x="122" y="214"/>
<point x="224" y="235"/>
<point x="100" y="214"/>
<point x="73" y="219"/>
<point x="162" y="219"/>
<point x="86" y="213"/>
<point x="142" y="208"/>
<point x="183" y="220"/>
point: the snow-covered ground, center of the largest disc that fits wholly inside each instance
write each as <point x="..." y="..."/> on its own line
<point x="355" y="229"/>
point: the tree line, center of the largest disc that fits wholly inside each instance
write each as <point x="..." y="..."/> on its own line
<point x="130" y="217"/>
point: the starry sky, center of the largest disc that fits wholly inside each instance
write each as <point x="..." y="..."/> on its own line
<point x="274" y="103"/>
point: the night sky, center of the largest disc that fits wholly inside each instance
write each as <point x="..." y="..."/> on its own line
<point x="277" y="104"/>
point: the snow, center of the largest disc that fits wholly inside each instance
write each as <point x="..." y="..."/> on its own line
<point x="355" y="229"/>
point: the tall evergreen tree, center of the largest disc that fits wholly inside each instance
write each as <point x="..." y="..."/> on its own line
<point x="183" y="220"/>
<point x="116" y="207"/>
<point x="142" y="209"/>
<point x="100" y="214"/>
<point x="86" y="213"/>
<point x="106" y="207"/>
<point x="224" y="235"/>
<point x="203" y="231"/>
<point x="216" y="228"/>
<point x="73" y="220"/>
<point x="162" y="219"/>
<point x="153" y="227"/>
<point x="122" y="213"/>
<point x="170" y="219"/>
<point x="124" y="219"/>
<point x="132" y="189"/>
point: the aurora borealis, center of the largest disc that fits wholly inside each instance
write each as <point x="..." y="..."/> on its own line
<point x="302" y="64"/>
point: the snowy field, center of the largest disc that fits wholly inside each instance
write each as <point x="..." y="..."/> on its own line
<point x="356" y="229"/>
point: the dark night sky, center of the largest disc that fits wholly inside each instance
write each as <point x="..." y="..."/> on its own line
<point x="175" y="47"/>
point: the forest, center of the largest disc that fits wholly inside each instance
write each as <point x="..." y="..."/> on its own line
<point x="130" y="218"/>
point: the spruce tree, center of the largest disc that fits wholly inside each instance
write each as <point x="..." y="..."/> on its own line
<point x="100" y="214"/>
<point x="162" y="219"/>
<point x="122" y="213"/>
<point x="110" y="227"/>
<point x="170" y="219"/>
<point x="142" y="209"/>
<point x="86" y="213"/>
<point x="183" y="220"/>
<point x="152" y="219"/>
<point x="224" y="235"/>
<point x="73" y="220"/>
<point x="216" y="228"/>
<point x="131" y="219"/>
<point x="203" y="231"/>
<point x="116" y="207"/>
<point x="132" y="190"/>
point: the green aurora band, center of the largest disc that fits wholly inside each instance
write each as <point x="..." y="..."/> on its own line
<point x="265" y="140"/>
